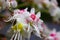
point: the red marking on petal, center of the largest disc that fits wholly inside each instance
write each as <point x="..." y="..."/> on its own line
<point x="53" y="34"/>
<point x="33" y="16"/>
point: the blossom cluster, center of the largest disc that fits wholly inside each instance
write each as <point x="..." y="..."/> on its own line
<point x="28" y="22"/>
<point x="52" y="6"/>
<point x="7" y="4"/>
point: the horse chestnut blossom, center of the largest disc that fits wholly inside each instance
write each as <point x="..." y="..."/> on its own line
<point x="45" y="3"/>
<point x="32" y="16"/>
<point x="55" y="12"/>
<point x="7" y="4"/>
<point x="11" y="3"/>
<point x="35" y="22"/>
<point x="53" y="35"/>
<point x="21" y="25"/>
<point x="28" y="22"/>
<point x="24" y="28"/>
<point x="52" y="6"/>
<point x="42" y="3"/>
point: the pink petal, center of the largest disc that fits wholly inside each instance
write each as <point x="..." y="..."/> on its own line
<point x="21" y="11"/>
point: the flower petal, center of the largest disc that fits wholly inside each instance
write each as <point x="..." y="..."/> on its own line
<point x="32" y="10"/>
<point x="38" y="15"/>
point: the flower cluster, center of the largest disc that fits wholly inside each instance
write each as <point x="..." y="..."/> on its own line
<point x="11" y="3"/>
<point x="7" y="4"/>
<point x="26" y="23"/>
<point x="52" y="7"/>
<point x="53" y="35"/>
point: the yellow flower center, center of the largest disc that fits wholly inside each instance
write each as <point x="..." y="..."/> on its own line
<point x="18" y="26"/>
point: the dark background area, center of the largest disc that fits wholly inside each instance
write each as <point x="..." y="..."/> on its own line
<point x="58" y="2"/>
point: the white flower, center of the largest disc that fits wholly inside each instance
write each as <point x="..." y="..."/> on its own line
<point x="11" y="3"/>
<point x="14" y="3"/>
<point x="35" y="22"/>
<point x="54" y="35"/>
<point x="40" y="3"/>
<point x="55" y="2"/>
<point x="8" y="3"/>
<point x="54" y="12"/>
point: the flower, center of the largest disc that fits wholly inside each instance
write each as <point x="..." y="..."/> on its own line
<point x="11" y="3"/>
<point x="26" y="23"/>
<point x="35" y="22"/>
<point x="14" y="3"/>
<point x="54" y="35"/>
<point x="32" y="17"/>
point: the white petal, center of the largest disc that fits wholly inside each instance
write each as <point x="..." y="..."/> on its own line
<point x="40" y="21"/>
<point x="29" y="19"/>
<point x="20" y="37"/>
<point x="26" y="14"/>
<point x="38" y="35"/>
<point x="55" y="2"/>
<point x="40" y="27"/>
<point x="12" y="36"/>
<point x="54" y="30"/>
<point x="50" y="38"/>
<point x="8" y="4"/>
<point x="36" y="29"/>
<point x="32" y="10"/>
<point x="38" y="14"/>
<point x="16" y="11"/>
<point x="25" y="9"/>
<point x="16" y="36"/>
